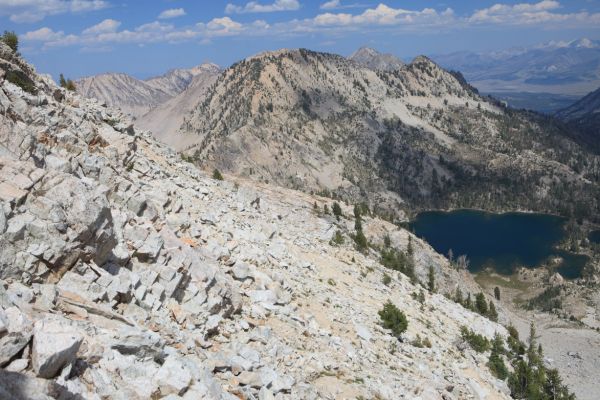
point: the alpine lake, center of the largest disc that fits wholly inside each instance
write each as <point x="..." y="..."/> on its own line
<point x="501" y="242"/>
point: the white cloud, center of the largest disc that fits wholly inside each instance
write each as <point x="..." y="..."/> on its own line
<point x="331" y="5"/>
<point x="542" y="12"/>
<point x="106" y="26"/>
<point x="36" y="10"/>
<point x="172" y="13"/>
<point x="256" y="7"/>
<point x="44" y="34"/>
<point x="337" y="4"/>
<point x="220" y="27"/>
<point x="381" y="17"/>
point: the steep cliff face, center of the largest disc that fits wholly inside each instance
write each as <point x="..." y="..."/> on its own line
<point x="409" y="138"/>
<point x="128" y="273"/>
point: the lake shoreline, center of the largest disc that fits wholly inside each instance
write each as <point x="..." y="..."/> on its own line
<point x="503" y="241"/>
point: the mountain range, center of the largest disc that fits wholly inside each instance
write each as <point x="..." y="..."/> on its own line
<point x="370" y="128"/>
<point x="136" y="97"/>
<point x="563" y="68"/>
<point x="410" y="138"/>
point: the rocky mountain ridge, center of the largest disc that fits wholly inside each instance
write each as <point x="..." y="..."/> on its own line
<point x="127" y="273"/>
<point x="136" y="97"/>
<point x="587" y="106"/>
<point x="375" y="60"/>
<point x="407" y="139"/>
<point x="584" y="116"/>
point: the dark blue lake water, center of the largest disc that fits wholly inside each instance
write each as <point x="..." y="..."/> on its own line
<point x="500" y="241"/>
<point x="594" y="236"/>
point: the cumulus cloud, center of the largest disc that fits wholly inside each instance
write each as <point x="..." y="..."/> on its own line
<point x="337" y="4"/>
<point x="172" y="13"/>
<point x="545" y="11"/>
<point x="381" y="17"/>
<point x="36" y="10"/>
<point x="331" y="5"/>
<point x="256" y="7"/>
<point x="108" y="25"/>
<point x="44" y="34"/>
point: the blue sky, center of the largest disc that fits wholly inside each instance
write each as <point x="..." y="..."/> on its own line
<point x="147" y="37"/>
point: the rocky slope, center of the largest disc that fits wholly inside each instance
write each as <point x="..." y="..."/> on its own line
<point x="126" y="273"/>
<point x="165" y="119"/>
<point x="136" y="97"/>
<point x="411" y="138"/>
<point x="375" y="60"/>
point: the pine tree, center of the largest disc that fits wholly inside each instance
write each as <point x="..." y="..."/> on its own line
<point x="357" y="213"/>
<point x="481" y="304"/>
<point x="357" y="224"/>
<point x="497" y="293"/>
<point x="496" y="362"/>
<point x="458" y="296"/>
<point x="492" y="313"/>
<point x="394" y="319"/>
<point x="62" y="81"/>
<point x="431" y="279"/>
<point x="337" y="210"/>
<point x="361" y="241"/>
<point x="468" y="302"/>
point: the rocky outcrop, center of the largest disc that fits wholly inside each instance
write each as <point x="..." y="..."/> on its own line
<point x="128" y="273"/>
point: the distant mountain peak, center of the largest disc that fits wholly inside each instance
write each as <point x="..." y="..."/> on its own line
<point x="135" y="96"/>
<point x="423" y="60"/>
<point x="586" y="43"/>
<point x="583" y="43"/>
<point x="375" y="60"/>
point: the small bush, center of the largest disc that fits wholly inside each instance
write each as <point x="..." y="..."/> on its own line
<point x="67" y="83"/>
<point x="394" y="319"/>
<point x="338" y="239"/>
<point x="217" y="175"/>
<point x="386" y="279"/>
<point x="478" y="342"/>
<point x="420" y="343"/>
<point x="21" y="80"/>
<point x="11" y="40"/>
